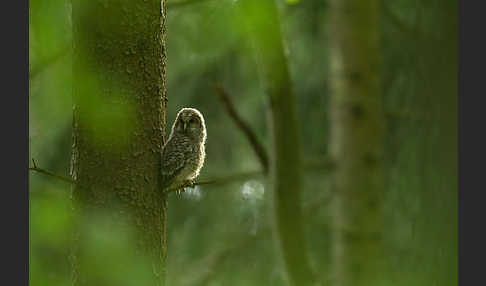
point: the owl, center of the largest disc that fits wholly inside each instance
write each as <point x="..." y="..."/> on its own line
<point x="183" y="155"/>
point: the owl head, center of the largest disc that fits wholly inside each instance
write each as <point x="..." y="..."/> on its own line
<point x="190" y="122"/>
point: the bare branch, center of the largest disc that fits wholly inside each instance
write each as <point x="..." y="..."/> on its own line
<point x="45" y="172"/>
<point x="219" y="180"/>
<point x="313" y="166"/>
<point x="215" y="181"/>
<point x="322" y="165"/>
<point x="243" y="125"/>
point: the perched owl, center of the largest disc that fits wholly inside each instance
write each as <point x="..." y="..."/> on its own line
<point x="183" y="154"/>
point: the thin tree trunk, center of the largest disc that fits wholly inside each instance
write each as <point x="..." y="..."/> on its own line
<point x="285" y="159"/>
<point x="119" y="123"/>
<point x="356" y="144"/>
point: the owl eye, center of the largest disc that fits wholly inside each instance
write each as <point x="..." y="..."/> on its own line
<point x="192" y="121"/>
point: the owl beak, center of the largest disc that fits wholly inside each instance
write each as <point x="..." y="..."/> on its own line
<point x="185" y="126"/>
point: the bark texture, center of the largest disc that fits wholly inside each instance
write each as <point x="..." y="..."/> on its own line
<point x="119" y="125"/>
<point x="356" y="143"/>
<point x="285" y="156"/>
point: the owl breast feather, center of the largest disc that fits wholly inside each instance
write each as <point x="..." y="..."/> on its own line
<point x="181" y="160"/>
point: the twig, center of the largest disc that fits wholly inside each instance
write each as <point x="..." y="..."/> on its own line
<point x="45" y="172"/>
<point x="323" y="165"/>
<point x="217" y="181"/>
<point x="245" y="128"/>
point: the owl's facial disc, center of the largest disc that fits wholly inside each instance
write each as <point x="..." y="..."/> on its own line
<point x="192" y="124"/>
<point x="180" y="126"/>
<point x="189" y="124"/>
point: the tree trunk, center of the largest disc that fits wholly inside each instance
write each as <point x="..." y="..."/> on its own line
<point x="118" y="131"/>
<point x="285" y="160"/>
<point x="437" y="66"/>
<point x="356" y="143"/>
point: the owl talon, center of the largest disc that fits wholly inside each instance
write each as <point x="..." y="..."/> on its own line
<point x="190" y="184"/>
<point x="180" y="191"/>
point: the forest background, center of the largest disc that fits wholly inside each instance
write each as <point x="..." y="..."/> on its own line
<point x="226" y="232"/>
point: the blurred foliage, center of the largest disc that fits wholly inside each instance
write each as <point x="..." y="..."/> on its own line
<point x="103" y="241"/>
<point x="113" y="127"/>
<point x="221" y="234"/>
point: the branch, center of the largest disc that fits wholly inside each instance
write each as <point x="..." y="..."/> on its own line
<point x="244" y="127"/>
<point x="217" y="181"/>
<point x="313" y="166"/>
<point x="323" y="165"/>
<point x="45" y="172"/>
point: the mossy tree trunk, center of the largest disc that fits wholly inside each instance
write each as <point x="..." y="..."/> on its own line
<point x="356" y="143"/>
<point x="285" y="157"/>
<point x="118" y="131"/>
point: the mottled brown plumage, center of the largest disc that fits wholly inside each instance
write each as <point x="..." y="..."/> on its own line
<point x="183" y="154"/>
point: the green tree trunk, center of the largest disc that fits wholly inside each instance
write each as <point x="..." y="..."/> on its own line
<point x="437" y="82"/>
<point x="118" y="131"/>
<point x="356" y="143"/>
<point x="285" y="159"/>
